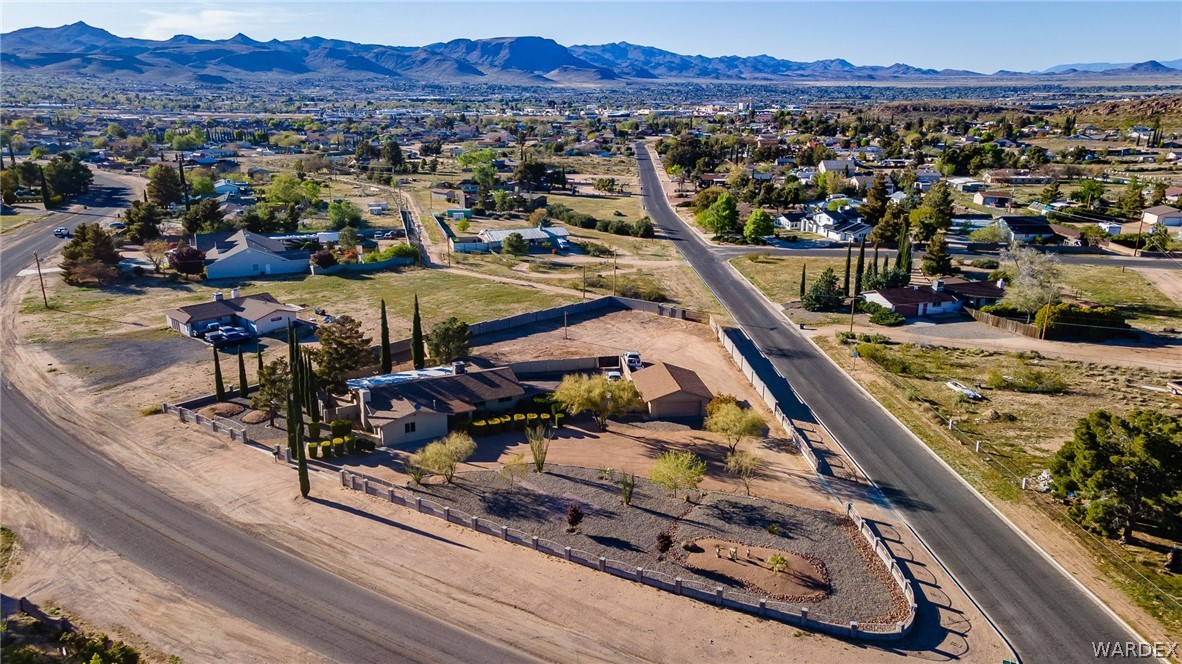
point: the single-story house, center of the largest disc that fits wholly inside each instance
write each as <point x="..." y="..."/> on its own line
<point x="260" y="314"/>
<point x="534" y="237"/>
<point x="1162" y="214"/>
<point x="425" y="408"/>
<point x="1025" y="229"/>
<point x="975" y="294"/>
<point x="844" y="166"/>
<point x="672" y="391"/>
<point x="993" y="198"/>
<point x="246" y="254"/>
<point x="915" y="300"/>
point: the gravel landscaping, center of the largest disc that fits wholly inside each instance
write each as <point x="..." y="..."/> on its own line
<point x="860" y="587"/>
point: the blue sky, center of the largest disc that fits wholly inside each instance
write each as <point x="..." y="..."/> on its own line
<point x="982" y="36"/>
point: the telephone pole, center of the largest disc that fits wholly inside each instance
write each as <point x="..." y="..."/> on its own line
<point x="44" y="298"/>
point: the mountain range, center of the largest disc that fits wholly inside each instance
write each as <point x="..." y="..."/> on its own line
<point x="80" y="49"/>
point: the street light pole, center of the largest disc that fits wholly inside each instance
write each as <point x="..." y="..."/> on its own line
<point x="37" y="260"/>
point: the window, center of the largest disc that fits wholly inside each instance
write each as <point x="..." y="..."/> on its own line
<point x="504" y="399"/>
<point x="409" y="427"/>
<point x="479" y="404"/>
<point x="276" y="319"/>
<point x="254" y="267"/>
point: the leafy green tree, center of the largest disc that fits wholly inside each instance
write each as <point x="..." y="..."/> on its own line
<point x="803" y="282"/>
<point x="722" y="217"/>
<point x="242" y="384"/>
<point x="206" y="217"/>
<point x="486" y="178"/>
<point x="29" y="173"/>
<point x="991" y="234"/>
<point x="384" y="360"/>
<point x="343" y="348"/>
<point x="515" y="245"/>
<point x="734" y="423"/>
<point x="1122" y="470"/>
<point x="202" y="186"/>
<point x="348" y="238"/>
<point x="934" y="214"/>
<point x="1050" y="193"/>
<point x="1088" y="193"/>
<point x="824" y="294"/>
<point x="678" y="470"/>
<point x="937" y="260"/>
<point x="903" y="257"/>
<point x="89" y="255"/>
<point x="502" y="201"/>
<point x="187" y="260"/>
<point x="449" y="340"/>
<point x="286" y="189"/>
<point x="342" y="214"/>
<point x="874" y="207"/>
<point x="596" y="394"/>
<point x="759" y="224"/>
<point x="1158" y="238"/>
<point x="418" y="351"/>
<point x="164" y="185"/>
<point x="1132" y="200"/>
<point x="67" y="176"/>
<point x="143" y="221"/>
<point x="9" y="183"/>
<point x="219" y="389"/>
<point x="442" y="456"/>
<point x="274" y="388"/>
<point x="1159" y="193"/>
<point x="745" y="466"/>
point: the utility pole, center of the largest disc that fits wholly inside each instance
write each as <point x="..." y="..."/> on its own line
<point x="853" y="305"/>
<point x="584" y="282"/>
<point x="37" y="260"/>
<point x="565" y="327"/>
<point x="180" y="164"/>
<point x="615" y="265"/>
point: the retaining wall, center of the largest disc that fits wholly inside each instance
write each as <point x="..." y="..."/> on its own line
<point x="363" y="267"/>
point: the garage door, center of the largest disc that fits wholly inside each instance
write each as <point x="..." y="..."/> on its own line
<point x="693" y="408"/>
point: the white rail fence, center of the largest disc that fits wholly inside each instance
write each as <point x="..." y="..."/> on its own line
<point x="215" y="424"/>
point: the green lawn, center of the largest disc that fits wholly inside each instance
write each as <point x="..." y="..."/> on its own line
<point x="1126" y="290"/>
<point x="779" y="276"/>
<point x="26" y="216"/>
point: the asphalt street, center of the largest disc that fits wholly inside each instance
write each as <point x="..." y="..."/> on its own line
<point x="212" y="561"/>
<point x="1039" y="609"/>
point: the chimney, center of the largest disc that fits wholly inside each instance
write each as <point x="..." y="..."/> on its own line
<point x="1001" y="284"/>
<point x="362" y="409"/>
<point x="459" y="368"/>
<point x="234" y="294"/>
<point x="938" y="285"/>
<point x="217" y="297"/>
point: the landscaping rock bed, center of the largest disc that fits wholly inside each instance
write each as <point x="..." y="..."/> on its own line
<point x="860" y="588"/>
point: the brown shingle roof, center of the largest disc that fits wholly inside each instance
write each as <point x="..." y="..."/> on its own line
<point x="249" y="307"/>
<point x="447" y="394"/>
<point x="977" y="289"/>
<point x="904" y="296"/>
<point x="661" y="380"/>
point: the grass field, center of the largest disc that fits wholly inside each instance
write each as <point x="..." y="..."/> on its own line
<point x="26" y="215"/>
<point x="779" y="276"/>
<point x="8" y="553"/>
<point x="1020" y="432"/>
<point x="1144" y="304"/>
<point x="86" y="312"/>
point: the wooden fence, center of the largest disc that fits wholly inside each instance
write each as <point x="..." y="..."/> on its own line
<point x="1017" y="327"/>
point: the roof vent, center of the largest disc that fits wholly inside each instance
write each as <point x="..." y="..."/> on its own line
<point x="938" y="285"/>
<point x="217" y="297"/>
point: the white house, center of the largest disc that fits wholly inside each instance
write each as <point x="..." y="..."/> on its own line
<point x="844" y="225"/>
<point x="246" y="254"/>
<point x="1162" y="214"/>
<point x="261" y="314"/>
<point x="845" y="166"/>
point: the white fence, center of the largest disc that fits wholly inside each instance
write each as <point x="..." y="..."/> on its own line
<point x="810" y="457"/>
<point x="215" y="424"/>
<point x="730" y="598"/>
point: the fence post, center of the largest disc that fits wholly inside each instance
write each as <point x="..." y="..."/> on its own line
<point x="365" y="485"/>
<point x="475" y="522"/>
<point x="566" y="552"/>
<point x="640" y="574"/>
<point x="418" y="504"/>
<point x="602" y="564"/>
<point x="505" y="532"/>
<point x="804" y="616"/>
<point x="534" y="541"/>
<point x="718" y="595"/>
<point x="344" y="477"/>
<point x="762" y="606"/>
<point x="854" y="628"/>
<point x="447" y="514"/>
<point x="677" y="584"/>
<point x="390" y="494"/>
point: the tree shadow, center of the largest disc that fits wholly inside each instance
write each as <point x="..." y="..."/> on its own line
<point x="616" y="543"/>
<point x="383" y="521"/>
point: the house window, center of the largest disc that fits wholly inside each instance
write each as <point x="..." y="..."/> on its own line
<point x="479" y="404"/>
<point x="276" y="319"/>
<point x="504" y="399"/>
<point x="409" y="427"/>
<point x="254" y="267"/>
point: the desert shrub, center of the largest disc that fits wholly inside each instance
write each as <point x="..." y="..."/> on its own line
<point x="326" y="449"/>
<point x="844" y="337"/>
<point x="642" y="289"/>
<point x="597" y="250"/>
<point x="313" y="448"/>
<point x="888" y="360"/>
<point x="574" y="516"/>
<point x="887" y="318"/>
<point x="627" y="487"/>
<point x="1027" y="379"/>
<point x="719" y="401"/>
<point x="985" y="263"/>
<point x="324" y="258"/>
<point x="604" y="225"/>
<point x="664" y="542"/>
<point x="1074" y="321"/>
<point x="340" y="428"/>
<point x="643" y="228"/>
<point x="314" y="430"/>
<point x="1000" y="274"/>
<point x="773" y="529"/>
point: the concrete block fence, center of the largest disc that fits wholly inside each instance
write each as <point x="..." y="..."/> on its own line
<point x="728" y="598"/>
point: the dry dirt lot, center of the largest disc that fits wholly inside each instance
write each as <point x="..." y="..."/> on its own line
<point x="474" y="581"/>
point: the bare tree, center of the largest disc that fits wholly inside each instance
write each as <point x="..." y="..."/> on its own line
<point x="1035" y="279"/>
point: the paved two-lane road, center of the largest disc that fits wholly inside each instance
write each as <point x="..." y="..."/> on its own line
<point x="1043" y="613"/>
<point x="210" y="560"/>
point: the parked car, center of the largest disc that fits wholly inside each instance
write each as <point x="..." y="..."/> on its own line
<point x="62" y="231"/>
<point x="117" y="225"/>
<point x="614" y="375"/>
<point x="632" y="359"/>
<point x="1175" y="387"/>
<point x="562" y="244"/>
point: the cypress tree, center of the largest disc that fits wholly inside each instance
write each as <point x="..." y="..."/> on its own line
<point x="802" y="270"/>
<point x="296" y="423"/>
<point x="289" y="419"/>
<point x="302" y="463"/>
<point x="903" y="258"/>
<point x="849" y="254"/>
<point x="417" y="352"/>
<point x="384" y="351"/>
<point x="241" y="374"/>
<point x="45" y="195"/>
<point x="219" y="389"/>
<point x="861" y="267"/>
<point x="258" y="355"/>
<point x="874" y="262"/>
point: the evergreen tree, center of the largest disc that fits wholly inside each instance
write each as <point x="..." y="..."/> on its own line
<point x="302" y="462"/>
<point x="802" y="270"/>
<point x="936" y="260"/>
<point x="219" y="390"/>
<point x="849" y="255"/>
<point x="241" y="374"/>
<point x="288" y="419"/>
<point x="861" y="267"/>
<point x="824" y="294"/>
<point x="46" y="195"/>
<point x="875" y="204"/>
<point x="258" y="356"/>
<point x="417" y="351"/>
<point x="874" y="261"/>
<point x="384" y="351"/>
<point x="903" y="258"/>
<point x="1050" y="193"/>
